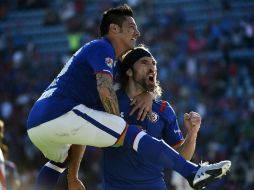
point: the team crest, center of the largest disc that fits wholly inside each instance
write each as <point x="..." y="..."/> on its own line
<point x="109" y="62"/>
<point x="153" y="117"/>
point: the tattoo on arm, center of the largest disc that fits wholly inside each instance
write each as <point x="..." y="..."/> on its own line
<point x="107" y="93"/>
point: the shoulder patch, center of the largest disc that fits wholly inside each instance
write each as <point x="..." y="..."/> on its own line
<point x="163" y="106"/>
<point x="109" y="62"/>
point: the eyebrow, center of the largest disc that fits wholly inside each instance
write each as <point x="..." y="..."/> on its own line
<point x="132" y="23"/>
<point x="145" y="60"/>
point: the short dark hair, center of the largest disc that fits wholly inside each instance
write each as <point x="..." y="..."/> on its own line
<point x="115" y="15"/>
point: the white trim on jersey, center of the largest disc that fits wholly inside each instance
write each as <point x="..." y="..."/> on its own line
<point x="137" y="139"/>
<point x="54" y="167"/>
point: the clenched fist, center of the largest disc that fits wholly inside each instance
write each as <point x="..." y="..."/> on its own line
<point x="192" y="122"/>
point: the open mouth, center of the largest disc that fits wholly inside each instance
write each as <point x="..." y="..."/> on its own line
<point x="151" y="78"/>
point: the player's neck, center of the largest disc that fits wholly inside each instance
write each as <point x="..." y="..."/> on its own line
<point x="118" y="47"/>
<point x="133" y="90"/>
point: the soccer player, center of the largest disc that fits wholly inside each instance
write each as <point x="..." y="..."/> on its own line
<point x="123" y="169"/>
<point x="70" y="114"/>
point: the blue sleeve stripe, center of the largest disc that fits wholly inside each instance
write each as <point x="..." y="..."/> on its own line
<point x="96" y="123"/>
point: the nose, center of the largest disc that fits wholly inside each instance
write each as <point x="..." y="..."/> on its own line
<point x="152" y="69"/>
<point x="137" y="33"/>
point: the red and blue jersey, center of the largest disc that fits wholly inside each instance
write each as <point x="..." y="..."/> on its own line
<point x="123" y="169"/>
<point x="76" y="83"/>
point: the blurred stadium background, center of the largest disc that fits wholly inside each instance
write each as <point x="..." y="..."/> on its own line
<point x="205" y="54"/>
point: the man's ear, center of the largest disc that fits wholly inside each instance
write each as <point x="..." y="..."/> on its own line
<point x="114" y="28"/>
<point x="129" y="72"/>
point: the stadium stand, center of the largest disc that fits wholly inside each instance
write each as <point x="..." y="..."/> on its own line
<point x="205" y="54"/>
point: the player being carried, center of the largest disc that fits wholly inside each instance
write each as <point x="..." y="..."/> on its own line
<point x="72" y="111"/>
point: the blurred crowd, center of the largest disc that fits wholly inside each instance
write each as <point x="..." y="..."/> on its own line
<point x="207" y="67"/>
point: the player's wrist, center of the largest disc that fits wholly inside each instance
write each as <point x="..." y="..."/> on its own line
<point x="192" y="135"/>
<point x="72" y="174"/>
<point x="72" y="177"/>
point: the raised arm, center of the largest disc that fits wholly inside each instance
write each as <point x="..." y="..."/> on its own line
<point x="192" y="122"/>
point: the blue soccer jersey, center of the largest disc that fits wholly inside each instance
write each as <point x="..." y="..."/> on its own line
<point x="123" y="169"/>
<point x="76" y="83"/>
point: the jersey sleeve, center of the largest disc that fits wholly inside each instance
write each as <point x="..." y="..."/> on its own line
<point x="101" y="58"/>
<point x="172" y="133"/>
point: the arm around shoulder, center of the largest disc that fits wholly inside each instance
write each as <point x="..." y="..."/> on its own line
<point x="107" y="93"/>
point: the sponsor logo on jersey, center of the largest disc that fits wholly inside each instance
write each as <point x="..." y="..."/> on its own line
<point x="177" y="131"/>
<point x="109" y="62"/>
<point x="153" y="117"/>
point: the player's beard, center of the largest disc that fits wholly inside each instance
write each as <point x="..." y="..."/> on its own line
<point x="144" y="82"/>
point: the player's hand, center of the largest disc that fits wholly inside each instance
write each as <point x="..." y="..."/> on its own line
<point x="143" y="103"/>
<point x="75" y="184"/>
<point x="192" y="122"/>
